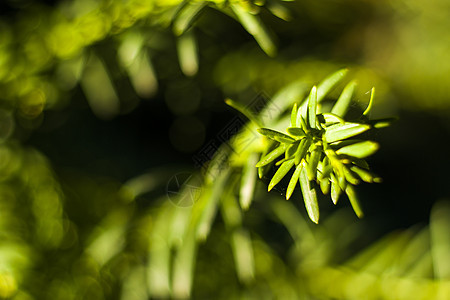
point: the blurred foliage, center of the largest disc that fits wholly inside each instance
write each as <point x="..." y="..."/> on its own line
<point x="129" y="225"/>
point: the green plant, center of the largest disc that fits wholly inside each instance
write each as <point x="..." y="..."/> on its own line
<point x="88" y="209"/>
<point x="321" y="147"/>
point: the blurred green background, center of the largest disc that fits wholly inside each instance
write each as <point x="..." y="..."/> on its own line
<point x="103" y="103"/>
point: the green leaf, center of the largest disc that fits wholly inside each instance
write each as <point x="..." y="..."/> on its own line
<point x="329" y="118"/>
<point x="291" y="150"/>
<point x="296" y="131"/>
<point x="271" y="145"/>
<point x="263" y="170"/>
<point x="342" y="104"/>
<point x="281" y="161"/>
<point x="325" y="186"/>
<point x="280" y="173"/>
<point x="302" y="116"/>
<point x="303" y="124"/>
<point x="335" y="189"/>
<point x="338" y="166"/>
<point x="302" y="150"/>
<point x="312" y="107"/>
<point x="364" y="174"/>
<point x="309" y="197"/>
<point x="359" y="150"/>
<point x="294" y="116"/>
<point x="339" y="132"/>
<point x="326" y="169"/>
<point x="354" y="201"/>
<point x="271" y="156"/>
<point x="369" y="107"/>
<point x="313" y="162"/>
<point x="293" y="181"/>
<point x="275" y="135"/>
<point x="342" y="181"/>
<point x="360" y="163"/>
<point x="350" y="177"/>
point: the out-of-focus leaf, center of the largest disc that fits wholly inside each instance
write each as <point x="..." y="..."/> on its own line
<point x="382" y="123"/>
<point x="342" y="104"/>
<point x="275" y="135"/>
<point x="412" y="255"/>
<point x="187" y="14"/>
<point x="183" y="267"/>
<point x="279" y="10"/>
<point x="323" y="88"/>
<point x="339" y="132"/>
<point x="143" y="76"/>
<point x="231" y="212"/>
<point x="440" y="239"/>
<point x="281" y="172"/>
<point x="134" y="286"/>
<point x="359" y="150"/>
<point x="243" y="255"/>
<point x="188" y="53"/>
<point x="295" y="223"/>
<point x="104" y="102"/>
<point x="271" y="156"/>
<point x="255" y="27"/>
<point x="328" y="83"/>
<point x="283" y="100"/>
<point x="368" y="256"/>
<point x="135" y="59"/>
<point x="217" y="164"/>
<point x="248" y="182"/>
<point x="206" y="206"/>
<point x="158" y="267"/>
<point x="245" y="111"/>
<point x="309" y="197"/>
<point x="109" y="238"/>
